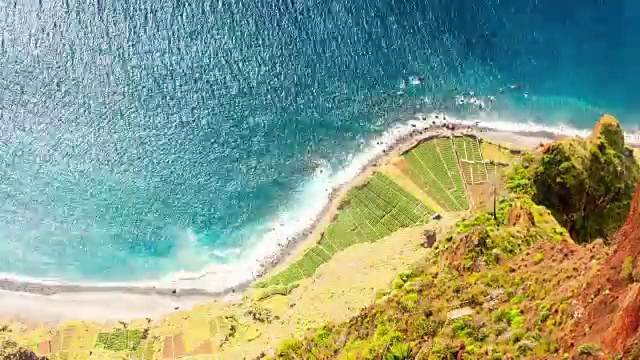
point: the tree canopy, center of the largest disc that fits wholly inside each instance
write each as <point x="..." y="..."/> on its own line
<point x="588" y="184"/>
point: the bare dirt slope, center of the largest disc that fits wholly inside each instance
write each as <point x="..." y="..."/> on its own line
<point x="610" y="302"/>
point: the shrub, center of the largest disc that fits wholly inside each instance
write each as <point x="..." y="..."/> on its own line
<point x="589" y="349"/>
<point x="538" y="258"/>
<point x="524" y="347"/>
<point x="519" y="180"/>
<point x="518" y="299"/>
<point x="512" y="317"/>
<point x="398" y="352"/>
<point x="516" y="336"/>
<point x="397" y="284"/>
<point x="444" y="351"/>
<point x="428" y="326"/>
<point x="410" y="301"/>
<point x="321" y="336"/>
<point x="588" y="184"/>
<point x="627" y="268"/>
<point x="465" y="328"/>
<point x="289" y="348"/>
<point x="260" y="314"/>
<point x="544" y="313"/>
<point x="275" y="290"/>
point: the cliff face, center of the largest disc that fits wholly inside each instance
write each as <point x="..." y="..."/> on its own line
<point x="610" y="303"/>
<point x="588" y="183"/>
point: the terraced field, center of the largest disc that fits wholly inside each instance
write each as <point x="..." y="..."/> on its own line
<point x="472" y="164"/>
<point x="370" y="213"/>
<point x="433" y="166"/>
<point x="492" y="169"/>
<point x="84" y="342"/>
<point x="381" y="206"/>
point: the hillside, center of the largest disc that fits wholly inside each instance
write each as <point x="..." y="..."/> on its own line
<point x="517" y="285"/>
<point x="375" y="231"/>
<point x="450" y="248"/>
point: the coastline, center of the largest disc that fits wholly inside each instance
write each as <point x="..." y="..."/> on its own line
<point x="89" y="301"/>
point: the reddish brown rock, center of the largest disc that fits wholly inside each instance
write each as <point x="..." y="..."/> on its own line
<point x="520" y="216"/>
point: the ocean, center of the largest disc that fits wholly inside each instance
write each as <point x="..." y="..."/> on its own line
<point x="147" y="141"/>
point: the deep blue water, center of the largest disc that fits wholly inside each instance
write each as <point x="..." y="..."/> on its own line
<point x="139" y="136"/>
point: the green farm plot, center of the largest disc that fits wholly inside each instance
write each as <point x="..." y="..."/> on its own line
<point x="479" y="172"/>
<point x="493" y="168"/>
<point x="120" y="340"/>
<point x="371" y="212"/>
<point x="433" y="167"/>
<point x="447" y="152"/>
<point x="465" y="168"/>
<point x="471" y="161"/>
<point x="473" y="172"/>
<point x="428" y="182"/>
<point x="219" y="326"/>
<point x="147" y="350"/>
<point x="473" y="148"/>
<point x="467" y="148"/>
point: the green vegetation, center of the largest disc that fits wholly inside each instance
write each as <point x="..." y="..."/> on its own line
<point x="274" y="290"/>
<point x="462" y="272"/>
<point x="370" y="212"/>
<point x="472" y="165"/>
<point x="538" y="258"/>
<point x="9" y="350"/>
<point x="120" y="340"/>
<point x="509" y="311"/>
<point x="587" y="184"/>
<point x="434" y="168"/>
<point x="491" y="287"/>
<point x="589" y="349"/>
<point x="627" y="268"/>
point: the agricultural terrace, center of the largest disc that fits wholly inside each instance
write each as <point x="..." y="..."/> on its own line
<point x="370" y="212"/>
<point x="439" y="167"/>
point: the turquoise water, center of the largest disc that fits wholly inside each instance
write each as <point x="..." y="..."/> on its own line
<point x="141" y="138"/>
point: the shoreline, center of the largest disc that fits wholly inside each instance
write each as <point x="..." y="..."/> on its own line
<point x="170" y="298"/>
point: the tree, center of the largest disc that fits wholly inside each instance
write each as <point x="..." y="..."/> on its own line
<point x="588" y="184"/>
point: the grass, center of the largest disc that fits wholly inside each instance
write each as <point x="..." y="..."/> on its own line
<point x="120" y="340"/>
<point x="493" y="152"/>
<point x="434" y="168"/>
<point x="589" y="349"/>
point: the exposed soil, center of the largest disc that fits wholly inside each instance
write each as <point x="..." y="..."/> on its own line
<point x="401" y="164"/>
<point x="481" y="196"/>
<point x="610" y="301"/>
<point x="520" y="216"/>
